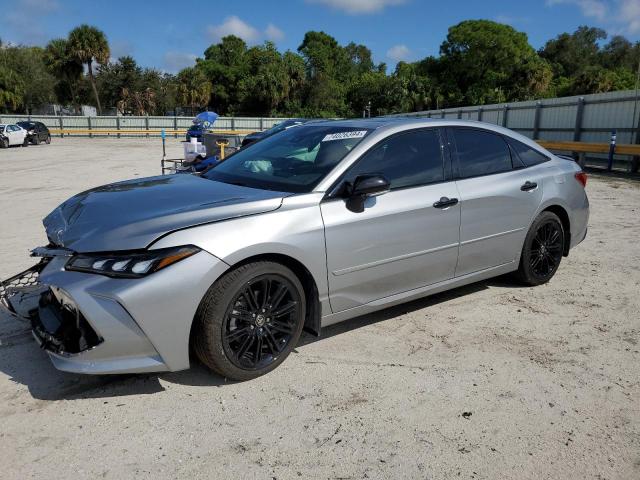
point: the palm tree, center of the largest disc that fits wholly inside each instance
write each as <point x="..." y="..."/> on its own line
<point x="88" y="45"/>
<point x="67" y="69"/>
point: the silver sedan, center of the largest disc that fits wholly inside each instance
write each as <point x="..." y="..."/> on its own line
<point x="312" y="226"/>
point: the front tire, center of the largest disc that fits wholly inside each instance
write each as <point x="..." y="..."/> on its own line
<point x="4" y="143"/>
<point x="542" y="250"/>
<point x="250" y="320"/>
<point x="26" y="142"/>
<point x="36" y="140"/>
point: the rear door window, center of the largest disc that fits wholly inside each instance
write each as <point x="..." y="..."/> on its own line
<point x="480" y="152"/>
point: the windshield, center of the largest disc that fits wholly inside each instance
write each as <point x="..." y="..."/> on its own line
<point x="294" y="160"/>
<point x="282" y="126"/>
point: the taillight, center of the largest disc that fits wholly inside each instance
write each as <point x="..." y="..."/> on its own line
<point x="582" y="178"/>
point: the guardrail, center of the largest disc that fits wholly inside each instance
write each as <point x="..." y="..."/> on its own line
<point x="582" y="148"/>
<point x="176" y="125"/>
<point x="147" y="132"/>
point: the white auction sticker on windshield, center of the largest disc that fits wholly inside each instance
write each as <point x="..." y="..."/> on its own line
<point x="344" y="135"/>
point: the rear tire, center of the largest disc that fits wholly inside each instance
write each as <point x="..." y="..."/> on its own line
<point x="48" y="140"/>
<point x="542" y="250"/>
<point x="249" y="320"/>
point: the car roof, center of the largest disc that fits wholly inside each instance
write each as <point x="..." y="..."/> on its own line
<point x="377" y="122"/>
<point x="398" y="122"/>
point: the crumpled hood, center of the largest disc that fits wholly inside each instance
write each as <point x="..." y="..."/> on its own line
<point x="132" y="214"/>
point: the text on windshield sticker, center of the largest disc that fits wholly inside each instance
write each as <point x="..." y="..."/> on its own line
<point x="344" y="135"/>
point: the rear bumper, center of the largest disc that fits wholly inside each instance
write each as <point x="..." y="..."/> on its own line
<point x="94" y="324"/>
<point x="579" y="222"/>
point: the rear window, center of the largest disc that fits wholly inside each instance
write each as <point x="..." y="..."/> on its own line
<point x="527" y="155"/>
<point x="480" y="152"/>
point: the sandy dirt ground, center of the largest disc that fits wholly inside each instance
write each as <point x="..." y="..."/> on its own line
<point x="487" y="381"/>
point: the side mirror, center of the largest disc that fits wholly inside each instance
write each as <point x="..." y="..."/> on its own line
<point x="366" y="186"/>
<point x="370" y="185"/>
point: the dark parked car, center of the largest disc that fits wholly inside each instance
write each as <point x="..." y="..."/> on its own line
<point x="255" y="136"/>
<point x="36" y="132"/>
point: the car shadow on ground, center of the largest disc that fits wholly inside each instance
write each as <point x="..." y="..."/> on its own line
<point x="25" y="363"/>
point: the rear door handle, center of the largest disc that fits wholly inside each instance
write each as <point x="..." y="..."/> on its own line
<point x="445" y="202"/>
<point x="528" y="186"/>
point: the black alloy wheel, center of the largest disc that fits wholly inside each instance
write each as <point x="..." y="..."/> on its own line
<point x="250" y="320"/>
<point x="546" y="250"/>
<point x="261" y="321"/>
<point x="543" y="249"/>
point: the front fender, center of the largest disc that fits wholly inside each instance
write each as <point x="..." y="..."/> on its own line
<point x="296" y="230"/>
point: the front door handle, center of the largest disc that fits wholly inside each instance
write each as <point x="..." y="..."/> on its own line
<point x="528" y="186"/>
<point x="445" y="202"/>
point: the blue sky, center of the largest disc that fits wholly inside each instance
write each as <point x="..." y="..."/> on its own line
<point x="168" y="35"/>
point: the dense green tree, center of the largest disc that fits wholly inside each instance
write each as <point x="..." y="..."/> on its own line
<point x="597" y="79"/>
<point x="11" y="89"/>
<point x="266" y="85"/>
<point x="327" y="75"/>
<point x="113" y="78"/>
<point x="620" y="53"/>
<point x="570" y="53"/>
<point x="89" y="45"/>
<point x="480" y="62"/>
<point x="491" y="62"/>
<point x="35" y="84"/>
<point x="225" y="65"/>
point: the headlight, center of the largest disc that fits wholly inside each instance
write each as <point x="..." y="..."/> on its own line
<point x="129" y="264"/>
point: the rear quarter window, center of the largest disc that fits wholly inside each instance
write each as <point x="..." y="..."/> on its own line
<point x="527" y="155"/>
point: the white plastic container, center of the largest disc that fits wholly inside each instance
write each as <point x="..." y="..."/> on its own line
<point x="193" y="149"/>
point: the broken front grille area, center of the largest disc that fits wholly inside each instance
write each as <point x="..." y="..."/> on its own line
<point x="55" y="318"/>
<point x="20" y="293"/>
<point x="60" y="326"/>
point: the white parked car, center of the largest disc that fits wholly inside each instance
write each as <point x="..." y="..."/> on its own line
<point x="12" y="134"/>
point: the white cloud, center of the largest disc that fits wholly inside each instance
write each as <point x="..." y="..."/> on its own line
<point x="356" y="7"/>
<point x="176" y="61"/>
<point x="273" y="33"/>
<point x="398" y="53"/>
<point x="630" y="12"/>
<point x="619" y="16"/>
<point x="233" y="25"/>
<point x="590" y="8"/>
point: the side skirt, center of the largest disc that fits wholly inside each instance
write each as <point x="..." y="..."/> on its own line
<point x="419" y="292"/>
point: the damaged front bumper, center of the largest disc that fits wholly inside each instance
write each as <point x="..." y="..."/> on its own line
<point x="94" y="324"/>
<point x="57" y="323"/>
